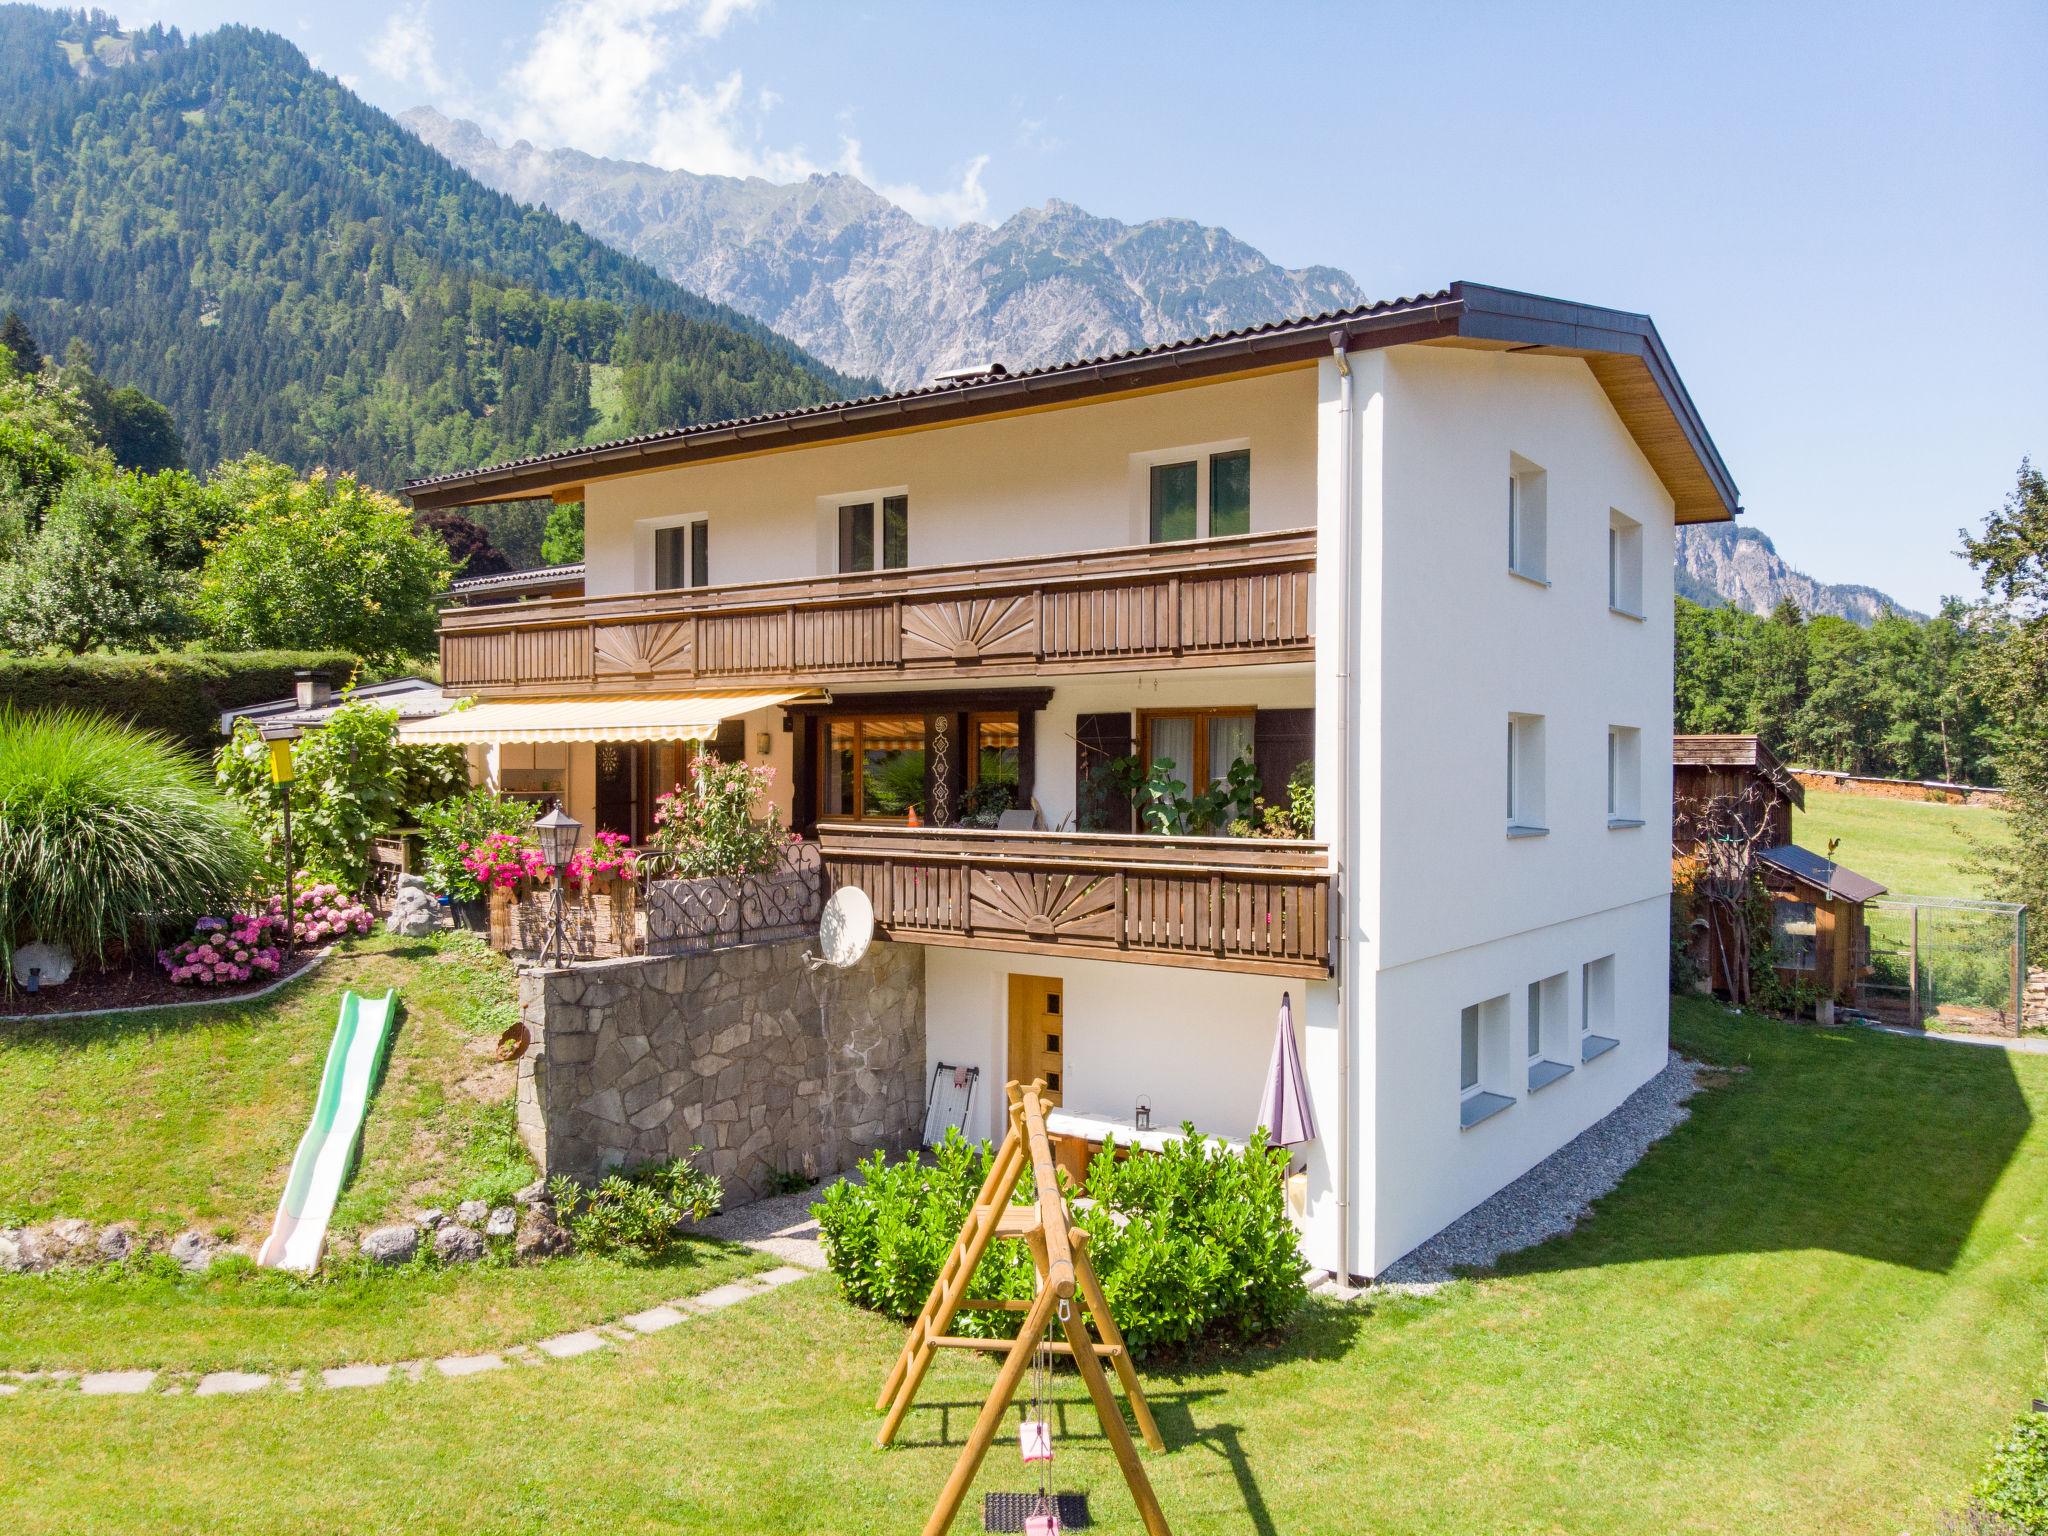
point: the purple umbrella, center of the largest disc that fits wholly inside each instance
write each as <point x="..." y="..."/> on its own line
<point x="1284" y="1108"/>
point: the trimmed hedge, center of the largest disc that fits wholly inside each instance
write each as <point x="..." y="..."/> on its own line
<point x="180" y="693"/>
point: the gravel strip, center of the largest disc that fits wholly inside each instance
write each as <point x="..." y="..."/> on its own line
<point x="1549" y="1199"/>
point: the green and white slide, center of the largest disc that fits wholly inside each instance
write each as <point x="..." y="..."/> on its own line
<point x="328" y="1149"/>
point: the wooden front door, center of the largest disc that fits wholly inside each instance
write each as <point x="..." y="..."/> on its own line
<point x="1038" y="1029"/>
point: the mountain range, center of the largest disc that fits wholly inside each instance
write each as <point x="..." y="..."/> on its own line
<point x="1738" y="565"/>
<point x="835" y="266"/>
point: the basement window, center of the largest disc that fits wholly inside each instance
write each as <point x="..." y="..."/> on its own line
<point x="1482" y="1061"/>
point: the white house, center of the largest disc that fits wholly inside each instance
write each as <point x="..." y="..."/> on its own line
<point x="1424" y="545"/>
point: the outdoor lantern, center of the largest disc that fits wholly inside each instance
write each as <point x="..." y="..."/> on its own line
<point x="1143" y="1117"/>
<point x="559" y="834"/>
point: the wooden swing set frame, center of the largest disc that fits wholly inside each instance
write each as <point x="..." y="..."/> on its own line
<point x="1059" y="1252"/>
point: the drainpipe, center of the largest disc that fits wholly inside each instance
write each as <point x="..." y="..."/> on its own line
<point x="1347" y="799"/>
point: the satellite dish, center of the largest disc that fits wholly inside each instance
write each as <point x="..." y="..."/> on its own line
<point x="846" y="927"/>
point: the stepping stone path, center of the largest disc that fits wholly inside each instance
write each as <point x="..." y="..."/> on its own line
<point x="772" y="1227"/>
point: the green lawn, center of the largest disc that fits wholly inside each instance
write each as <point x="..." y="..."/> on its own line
<point x="1916" y="847"/>
<point x="190" y="1117"/>
<point x="1808" y="1310"/>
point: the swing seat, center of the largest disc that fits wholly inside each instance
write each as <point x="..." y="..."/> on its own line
<point x="1009" y="1511"/>
<point x="1034" y="1439"/>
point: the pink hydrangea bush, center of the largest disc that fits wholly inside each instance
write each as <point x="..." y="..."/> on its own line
<point x="226" y="950"/>
<point x="322" y="912"/>
<point x="502" y="860"/>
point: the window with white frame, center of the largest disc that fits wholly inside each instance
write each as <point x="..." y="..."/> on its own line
<point x="874" y="531"/>
<point x="1596" y="1008"/>
<point x="1203" y="492"/>
<point x="1528" y="520"/>
<point x="676" y="552"/>
<point x="1624" y="565"/>
<point x="1546" y="1031"/>
<point x="1483" y="1070"/>
<point x="1624" y="776"/>
<point x="1525" y="775"/>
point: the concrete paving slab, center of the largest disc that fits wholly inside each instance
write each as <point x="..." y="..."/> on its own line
<point x="566" y="1346"/>
<point x="469" y="1365"/>
<point x="224" y="1383"/>
<point x="654" y="1319"/>
<point x="356" y="1375"/>
<point x="115" y="1383"/>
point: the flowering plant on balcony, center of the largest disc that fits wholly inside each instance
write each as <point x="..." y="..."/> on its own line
<point x="708" y="826"/>
<point x="502" y="860"/>
<point x="607" y="856"/>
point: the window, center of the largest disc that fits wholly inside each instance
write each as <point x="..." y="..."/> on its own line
<point x="1482" y="1061"/>
<point x="1192" y="493"/>
<point x="1596" y="1008"/>
<point x="682" y="554"/>
<point x="1200" y="743"/>
<point x="873" y="768"/>
<point x="1624" y="565"/>
<point x="995" y="749"/>
<point x="861" y="536"/>
<point x="1624" y="776"/>
<point x="1546" y="1038"/>
<point x="1527" y="521"/>
<point x="1525" y="775"/>
<point x="1795" y="935"/>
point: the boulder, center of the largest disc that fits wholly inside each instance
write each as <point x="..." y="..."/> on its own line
<point x="395" y="1244"/>
<point x="541" y="1236"/>
<point x="79" y="1237"/>
<point x="459" y="1245"/>
<point x="432" y="1217"/>
<point x="502" y="1222"/>
<point x="16" y="1251"/>
<point x="414" y="913"/>
<point x="473" y="1213"/>
<point x="47" y="1248"/>
<point x="535" y="1193"/>
<point x="50" y="964"/>
<point x="117" y="1243"/>
<point x="193" y="1252"/>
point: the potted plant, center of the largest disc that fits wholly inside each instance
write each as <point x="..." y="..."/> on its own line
<point x="451" y="831"/>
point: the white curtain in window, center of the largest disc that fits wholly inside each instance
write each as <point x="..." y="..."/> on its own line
<point x="1173" y="738"/>
<point x="1230" y="737"/>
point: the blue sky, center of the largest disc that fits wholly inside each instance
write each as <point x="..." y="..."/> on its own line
<point x="1835" y="214"/>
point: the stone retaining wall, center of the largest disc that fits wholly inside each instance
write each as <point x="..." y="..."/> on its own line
<point x="2034" y="1000"/>
<point x="1901" y="789"/>
<point x="639" y="1060"/>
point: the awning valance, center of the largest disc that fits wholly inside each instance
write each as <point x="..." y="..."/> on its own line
<point x="641" y="717"/>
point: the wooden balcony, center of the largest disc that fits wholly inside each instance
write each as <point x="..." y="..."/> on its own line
<point x="1215" y="602"/>
<point x="1214" y="903"/>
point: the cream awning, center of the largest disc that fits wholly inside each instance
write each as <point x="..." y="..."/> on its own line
<point x="642" y="717"/>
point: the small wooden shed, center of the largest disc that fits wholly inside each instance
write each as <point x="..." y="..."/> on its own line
<point x="1817" y="925"/>
<point x="1736" y="768"/>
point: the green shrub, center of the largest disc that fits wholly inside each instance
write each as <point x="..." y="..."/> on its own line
<point x="105" y="833"/>
<point x="1190" y="1243"/>
<point x="450" y="828"/>
<point x="181" y="694"/>
<point x="2014" y="1487"/>
<point x="637" y="1212"/>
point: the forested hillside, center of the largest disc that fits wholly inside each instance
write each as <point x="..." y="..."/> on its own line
<point x="241" y="237"/>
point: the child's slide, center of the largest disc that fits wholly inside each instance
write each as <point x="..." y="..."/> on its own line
<point x="328" y="1149"/>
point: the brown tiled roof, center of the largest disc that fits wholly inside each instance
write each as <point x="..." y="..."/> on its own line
<point x="1469" y="312"/>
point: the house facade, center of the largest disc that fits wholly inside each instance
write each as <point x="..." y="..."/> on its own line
<point x="1418" y="554"/>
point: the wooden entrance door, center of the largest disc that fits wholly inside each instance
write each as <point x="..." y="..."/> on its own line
<point x="1038" y="1033"/>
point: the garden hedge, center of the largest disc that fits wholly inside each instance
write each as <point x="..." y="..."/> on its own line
<point x="179" y="693"/>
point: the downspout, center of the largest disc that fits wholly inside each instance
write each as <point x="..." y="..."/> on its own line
<point x="1347" y="800"/>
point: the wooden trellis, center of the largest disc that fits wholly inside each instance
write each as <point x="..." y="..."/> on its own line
<point x="1059" y="1253"/>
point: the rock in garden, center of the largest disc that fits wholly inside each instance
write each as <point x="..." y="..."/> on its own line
<point x="117" y="1242"/>
<point x="15" y="1250"/>
<point x="80" y="1238"/>
<point x="459" y="1245"/>
<point x="432" y="1217"/>
<point x="541" y="1237"/>
<point x="392" y="1245"/>
<point x="49" y="965"/>
<point x="193" y="1252"/>
<point x="413" y="913"/>
<point x="503" y="1222"/>
<point x="473" y="1213"/>
<point x="535" y="1193"/>
<point x="47" y="1250"/>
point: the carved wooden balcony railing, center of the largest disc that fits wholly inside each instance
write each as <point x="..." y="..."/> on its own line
<point x="1215" y="903"/>
<point x="1216" y="602"/>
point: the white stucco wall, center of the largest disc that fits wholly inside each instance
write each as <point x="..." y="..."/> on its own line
<point x="1196" y="1043"/>
<point x="1050" y="482"/>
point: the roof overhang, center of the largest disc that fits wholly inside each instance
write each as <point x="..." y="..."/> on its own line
<point x="1623" y="351"/>
<point x="642" y="717"/>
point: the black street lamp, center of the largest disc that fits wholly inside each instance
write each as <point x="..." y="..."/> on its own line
<point x="558" y="833"/>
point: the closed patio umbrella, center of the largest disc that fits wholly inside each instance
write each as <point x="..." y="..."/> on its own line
<point x="1284" y="1109"/>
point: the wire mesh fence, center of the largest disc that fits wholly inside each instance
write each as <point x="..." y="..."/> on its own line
<point x="1947" y="961"/>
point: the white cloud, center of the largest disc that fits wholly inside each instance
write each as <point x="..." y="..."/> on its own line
<point x="607" y="77"/>
<point x="403" y="49"/>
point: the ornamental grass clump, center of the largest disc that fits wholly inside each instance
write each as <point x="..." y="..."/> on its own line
<point x="107" y="833"/>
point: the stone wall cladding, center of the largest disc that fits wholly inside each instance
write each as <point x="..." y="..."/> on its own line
<point x="2034" y="1001"/>
<point x="639" y="1060"/>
